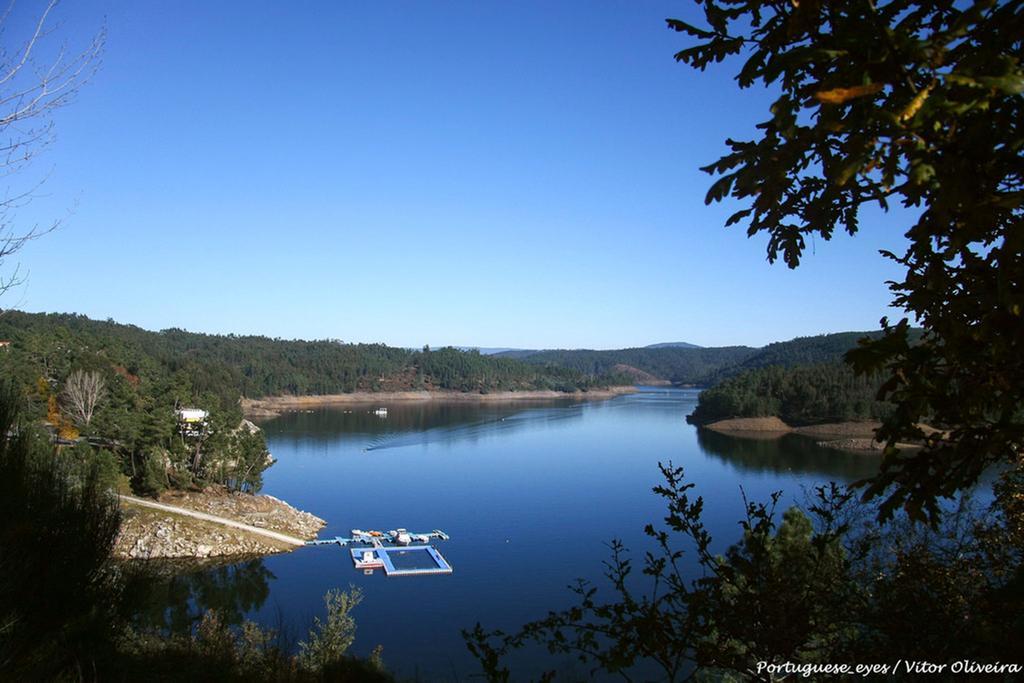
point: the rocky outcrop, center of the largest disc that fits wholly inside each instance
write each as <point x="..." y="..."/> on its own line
<point x="265" y="512"/>
<point x="149" y="534"/>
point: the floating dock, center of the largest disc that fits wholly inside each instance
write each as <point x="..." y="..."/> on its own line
<point x="413" y="560"/>
<point x="392" y="552"/>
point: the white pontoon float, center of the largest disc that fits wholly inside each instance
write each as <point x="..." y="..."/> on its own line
<point x="392" y="551"/>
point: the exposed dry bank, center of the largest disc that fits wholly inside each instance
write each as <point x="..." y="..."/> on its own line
<point x="271" y="406"/>
<point x="848" y="436"/>
<point x="148" y="533"/>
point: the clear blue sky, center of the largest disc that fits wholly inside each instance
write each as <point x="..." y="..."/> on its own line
<point x="496" y="174"/>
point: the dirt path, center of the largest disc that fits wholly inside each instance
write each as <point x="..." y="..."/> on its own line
<point x="213" y="518"/>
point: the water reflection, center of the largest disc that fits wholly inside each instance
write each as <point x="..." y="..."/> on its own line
<point x="501" y="478"/>
<point x="418" y="423"/>
<point x="172" y="597"/>
<point x="786" y="453"/>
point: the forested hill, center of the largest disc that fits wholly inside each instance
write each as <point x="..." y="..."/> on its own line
<point x="799" y="394"/>
<point x="824" y="348"/>
<point x="699" y="365"/>
<point x="675" y="364"/>
<point x="802" y="381"/>
<point x="52" y="345"/>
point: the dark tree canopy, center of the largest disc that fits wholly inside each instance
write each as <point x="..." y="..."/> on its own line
<point x="915" y="103"/>
<point x="805" y="394"/>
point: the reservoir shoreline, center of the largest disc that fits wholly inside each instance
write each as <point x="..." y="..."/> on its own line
<point x="183" y="525"/>
<point x="854" y="437"/>
<point x="211" y="523"/>
<point x="272" y="406"/>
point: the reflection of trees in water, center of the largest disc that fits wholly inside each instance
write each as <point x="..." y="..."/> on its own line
<point x="787" y="453"/>
<point x="414" y="424"/>
<point x="173" y="601"/>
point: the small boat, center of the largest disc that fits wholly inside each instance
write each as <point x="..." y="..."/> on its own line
<point x="381" y="412"/>
<point x="368" y="560"/>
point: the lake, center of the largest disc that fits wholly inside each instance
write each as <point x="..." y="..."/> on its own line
<point x="530" y="493"/>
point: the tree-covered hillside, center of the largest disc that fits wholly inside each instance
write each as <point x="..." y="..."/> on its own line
<point x="800" y="394"/>
<point x="682" y="364"/>
<point x="803" y="381"/>
<point x="675" y="364"/>
<point x="110" y="392"/>
<point x="823" y="348"/>
<point x="259" y="366"/>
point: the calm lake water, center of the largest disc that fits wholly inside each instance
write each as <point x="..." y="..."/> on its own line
<point x="530" y="494"/>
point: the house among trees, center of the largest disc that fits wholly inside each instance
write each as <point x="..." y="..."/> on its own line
<point x="5" y="344"/>
<point x="192" y="421"/>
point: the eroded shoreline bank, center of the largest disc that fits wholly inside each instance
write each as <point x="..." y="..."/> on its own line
<point x="856" y="437"/>
<point x="272" y="406"/>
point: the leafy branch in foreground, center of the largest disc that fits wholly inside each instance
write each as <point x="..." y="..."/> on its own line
<point x="885" y="101"/>
<point x="821" y="584"/>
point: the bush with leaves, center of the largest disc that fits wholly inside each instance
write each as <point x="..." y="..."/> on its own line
<point x="58" y="584"/>
<point x="824" y="584"/>
<point x="888" y="101"/>
<point x="329" y="641"/>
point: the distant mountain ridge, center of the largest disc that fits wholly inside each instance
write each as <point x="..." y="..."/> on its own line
<point x="679" y="365"/>
<point x="685" y="363"/>
<point x="822" y="348"/>
<point x="673" y="345"/>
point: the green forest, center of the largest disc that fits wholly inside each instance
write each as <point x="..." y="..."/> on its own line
<point x="800" y="395"/>
<point x="111" y="391"/>
<point x="701" y="366"/>
<point x="674" y="364"/>
<point x="803" y="380"/>
<point x="822" y="348"/>
<point x="255" y="366"/>
<point x="143" y="377"/>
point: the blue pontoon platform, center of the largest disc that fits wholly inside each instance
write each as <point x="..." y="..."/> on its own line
<point x="413" y="560"/>
<point x="392" y="552"/>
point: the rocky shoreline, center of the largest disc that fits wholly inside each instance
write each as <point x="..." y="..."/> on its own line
<point x="272" y="406"/>
<point x="148" y="533"/>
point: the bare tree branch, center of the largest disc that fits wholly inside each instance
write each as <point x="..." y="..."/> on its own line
<point x="82" y="393"/>
<point x="36" y="79"/>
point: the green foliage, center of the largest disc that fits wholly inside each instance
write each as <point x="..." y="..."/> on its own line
<point x="451" y="369"/>
<point x="58" y="585"/>
<point x="150" y="477"/>
<point x="917" y="103"/>
<point x="822" y="585"/>
<point x="82" y="463"/>
<point x="246" y="459"/>
<point x="148" y="375"/>
<point x="675" y="364"/>
<point x="818" y="350"/>
<point x="184" y="365"/>
<point x="329" y="641"/>
<point x="799" y="395"/>
<point x="145" y="383"/>
<point x="65" y="604"/>
<point x="701" y="366"/>
<point x="216" y="651"/>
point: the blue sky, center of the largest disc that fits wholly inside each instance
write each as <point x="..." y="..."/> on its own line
<point x="496" y="174"/>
